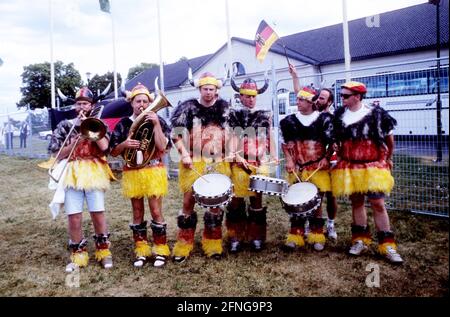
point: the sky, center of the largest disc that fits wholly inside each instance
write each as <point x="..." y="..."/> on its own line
<point x="82" y="33"/>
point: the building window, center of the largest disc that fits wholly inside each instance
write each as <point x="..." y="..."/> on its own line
<point x="238" y="69"/>
<point x="282" y="106"/>
<point x="292" y="99"/>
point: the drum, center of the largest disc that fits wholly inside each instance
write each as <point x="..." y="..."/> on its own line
<point x="301" y="198"/>
<point x="268" y="185"/>
<point x="213" y="190"/>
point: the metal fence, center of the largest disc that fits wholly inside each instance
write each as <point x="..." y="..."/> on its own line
<point x="407" y="90"/>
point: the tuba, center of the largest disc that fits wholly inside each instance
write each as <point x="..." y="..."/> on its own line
<point x="143" y="131"/>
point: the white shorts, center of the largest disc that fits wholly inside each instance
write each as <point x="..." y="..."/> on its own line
<point x="74" y="201"/>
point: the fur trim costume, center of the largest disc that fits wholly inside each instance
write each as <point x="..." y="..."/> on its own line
<point x="362" y="165"/>
<point x="308" y="145"/>
<point x="87" y="168"/>
<point x="150" y="181"/>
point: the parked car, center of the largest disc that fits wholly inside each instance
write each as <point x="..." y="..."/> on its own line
<point x="45" y="135"/>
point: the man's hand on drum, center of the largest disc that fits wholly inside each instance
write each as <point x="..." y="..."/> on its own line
<point x="187" y="161"/>
<point x="290" y="165"/>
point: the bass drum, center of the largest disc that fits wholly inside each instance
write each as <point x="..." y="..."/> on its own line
<point x="213" y="190"/>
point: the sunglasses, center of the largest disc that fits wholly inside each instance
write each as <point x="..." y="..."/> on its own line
<point x="346" y="96"/>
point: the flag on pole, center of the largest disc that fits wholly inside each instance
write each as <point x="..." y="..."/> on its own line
<point x="265" y="37"/>
<point x="104" y="6"/>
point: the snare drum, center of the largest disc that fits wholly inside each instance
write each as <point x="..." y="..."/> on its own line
<point x="268" y="185"/>
<point x="213" y="190"/>
<point x="301" y="198"/>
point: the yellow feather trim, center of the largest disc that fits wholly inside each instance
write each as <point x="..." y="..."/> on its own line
<point x="345" y="182"/>
<point x="145" y="182"/>
<point x="321" y="179"/>
<point x="87" y="175"/>
<point x="161" y="249"/>
<point x="142" y="248"/>
<point x="382" y="248"/>
<point x="101" y="254"/>
<point x="212" y="246"/>
<point x="187" y="176"/>
<point x="365" y="240"/>
<point x="241" y="179"/>
<point x="80" y="258"/>
<point x="182" y="248"/>
<point x="316" y="238"/>
<point x="296" y="238"/>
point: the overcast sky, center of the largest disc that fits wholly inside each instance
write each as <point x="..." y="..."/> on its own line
<point x="191" y="28"/>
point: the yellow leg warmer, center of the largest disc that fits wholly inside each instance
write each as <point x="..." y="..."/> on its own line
<point x="142" y="248"/>
<point x="316" y="238"/>
<point x="101" y="254"/>
<point x="80" y="258"/>
<point x="182" y="248"/>
<point x="212" y="246"/>
<point x="382" y="248"/>
<point x="161" y="249"/>
<point x="295" y="238"/>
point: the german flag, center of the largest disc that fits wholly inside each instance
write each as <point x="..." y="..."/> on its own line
<point x="265" y="37"/>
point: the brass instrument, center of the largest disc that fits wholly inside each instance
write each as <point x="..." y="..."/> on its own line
<point x="143" y="131"/>
<point x="91" y="128"/>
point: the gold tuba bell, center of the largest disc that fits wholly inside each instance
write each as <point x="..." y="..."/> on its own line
<point x="142" y="131"/>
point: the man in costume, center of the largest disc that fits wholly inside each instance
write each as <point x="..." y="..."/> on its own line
<point x="307" y="136"/>
<point x="205" y="121"/>
<point x="251" y="134"/>
<point x="324" y="102"/>
<point x="144" y="180"/>
<point x="86" y="177"/>
<point x="365" y="147"/>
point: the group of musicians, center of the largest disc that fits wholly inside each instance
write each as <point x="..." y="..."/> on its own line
<point x="360" y="136"/>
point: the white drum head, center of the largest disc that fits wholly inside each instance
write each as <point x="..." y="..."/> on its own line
<point x="211" y="185"/>
<point x="300" y="193"/>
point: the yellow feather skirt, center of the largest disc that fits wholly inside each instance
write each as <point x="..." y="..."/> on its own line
<point x="321" y="179"/>
<point x="88" y="175"/>
<point x="241" y="179"/>
<point x="145" y="182"/>
<point x="362" y="180"/>
<point x="187" y="176"/>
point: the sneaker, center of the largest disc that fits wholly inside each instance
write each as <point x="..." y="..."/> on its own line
<point x="393" y="256"/>
<point x="358" y="248"/>
<point x="235" y="246"/>
<point x="179" y="259"/>
<point x="160" y="261"/>
<point x="257" y="245"/>
<point x="107" y="262"/>
<point x="139" y="261"/>
<point x="318" y="246"/>
<point x="331" y="232"/>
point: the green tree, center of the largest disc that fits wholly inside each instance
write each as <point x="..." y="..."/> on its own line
<point x="36" y="89"/>
<point x="99" y="82"/>
<point x="136" y="70"/>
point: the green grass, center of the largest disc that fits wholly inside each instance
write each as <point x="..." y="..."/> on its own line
<point x="34" y="254"/>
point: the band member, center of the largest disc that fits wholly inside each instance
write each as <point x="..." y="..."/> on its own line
<point x="205" y="120"/>
<point x="87" y="176"/>
<point x="251" y="133"/>
<point x="146" y="180"/>
<point x="366" y="144"/>
<point x="307" y="136"/>
<point x="324" y="102"/>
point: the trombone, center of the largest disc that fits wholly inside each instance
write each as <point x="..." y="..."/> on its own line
<point x="91" y="128"/>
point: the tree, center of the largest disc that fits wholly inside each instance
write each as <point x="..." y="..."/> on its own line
<point x="36" y="89"/>
<point x="136" y="70"/>
<point x="99" y="82"/>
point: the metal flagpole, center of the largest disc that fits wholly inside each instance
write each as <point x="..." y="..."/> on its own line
<point x="52" y="64"/>
<point x="114" y="52"/>
<point x="230" y="54"/>
<point x="161" y="63"/>
<point x="275" y="110"/>
<point x="347" y="55"/>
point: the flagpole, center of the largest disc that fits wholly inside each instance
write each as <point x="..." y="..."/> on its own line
<point x="161" y="65"/>
<point x="230" y="54"/>
<point x="114" y="52"/>
<point x="276" y="110"/>
<point x="52" y="64"/>
<point x="347" y="55"/>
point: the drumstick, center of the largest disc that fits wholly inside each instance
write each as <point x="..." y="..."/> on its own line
<point x="179" y="156"/>
<point x="298" y="178"/>
<point x="312" y="174"/>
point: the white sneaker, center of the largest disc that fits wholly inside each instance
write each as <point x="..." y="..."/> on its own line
<point x="139" y="262"/>
<point x="331" y="232"/>
<point x="107" y="262"/>
<point x="393" y="256"/>
<point x="160" y="261"/>
<point x="318" y="246"/>
<point x="358" y="248"/>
